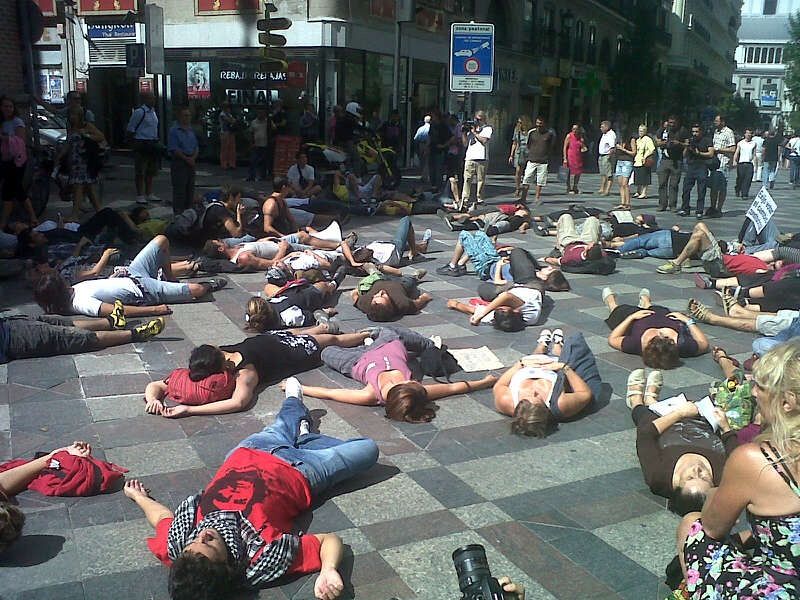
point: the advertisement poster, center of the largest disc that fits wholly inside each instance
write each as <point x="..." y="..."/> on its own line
<point x="106" y="7"/>
<point x="226" y="7"/>
<point x="198" y="79"/>
<point x="48" y="7"/>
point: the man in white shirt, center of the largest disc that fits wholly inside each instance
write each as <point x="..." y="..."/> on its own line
<point x="608" y="141"/>
<point x="757" y="162"/>
<point x="142" y="131"/>
<point x="475" y="139"/>
<point x="794" y="160"/>
<point x="743" y="161"/>
<point x="301" y="178"/>
<point x="724" y="146"/>
<point x="423" y="148"/>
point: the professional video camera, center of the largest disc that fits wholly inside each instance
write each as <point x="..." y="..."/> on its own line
<point x="474" y="578"/>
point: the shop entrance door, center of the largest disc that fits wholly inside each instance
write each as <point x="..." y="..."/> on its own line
<point x="112" y="97"/>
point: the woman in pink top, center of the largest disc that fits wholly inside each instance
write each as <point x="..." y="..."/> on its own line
<point x="383" y="368"/>
<point x="574" y="148"/>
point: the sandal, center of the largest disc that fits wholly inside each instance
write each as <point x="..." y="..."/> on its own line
<point x="727" y="300"/>
<point x="654" y="379"/>
<point x="545" y="337"/>
<point x="718" y="353"/>
<point x="558" y="337"/>
<point x="643" y="293"/>
<point x="636" y="378"/>
<point x="698" y="310"/>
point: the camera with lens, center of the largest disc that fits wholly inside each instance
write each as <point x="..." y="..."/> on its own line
<point x="467" y="125"/>
<point x="474" y="577"/>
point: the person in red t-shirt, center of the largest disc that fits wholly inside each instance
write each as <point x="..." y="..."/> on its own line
<point x="238" y="531"/>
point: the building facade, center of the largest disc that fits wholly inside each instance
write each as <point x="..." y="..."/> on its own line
<point x="760" y="66"/>
<point x="10" y="58"/>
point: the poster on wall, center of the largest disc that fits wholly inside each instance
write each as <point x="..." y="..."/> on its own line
<point x="226" y="7"/>
<point x="198" y="80"/>
<point x="106" y="7"/>
<point x="51" y="86"/>
<point x="48" y="7"/>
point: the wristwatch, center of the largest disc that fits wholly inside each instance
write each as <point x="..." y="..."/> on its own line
<point x="690" y="322"/>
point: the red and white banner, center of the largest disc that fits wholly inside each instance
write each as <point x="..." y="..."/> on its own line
<point x="226" y="7"/>
<point x="106" y="7"/>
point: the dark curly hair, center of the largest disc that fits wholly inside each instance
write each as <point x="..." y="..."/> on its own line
<point x="54" y="294"/>
<point x="661" y="353"/>
<point x="204" y="361"/>
<point x="682" y="503"/>
<point x="556" y="282"/>
<point x="195" y="577"/>
<point x="508" y="321"/>
<point x="11" y="522"/>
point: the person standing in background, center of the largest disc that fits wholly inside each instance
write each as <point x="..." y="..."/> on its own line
<point x="770" y="155"/>
<point x="605" y="152"/>
<point x="309" y="123"/>
<point x="423" y="148"/>
<point x="518" y="155"/>
<point x="227" y="137"/>
<point x="758" y="158"/>
<point x="279" y="123"/>
<point x="142" y="131"/>
<point x="539" y="144"/>
<point x="476" y="140"/>
<point x="259" y="134"/>
<point x="672" y="140"/>
<point x="743" y="158"/>
<point x="573" y="151"/>
<point x="183" y="148"/>
<point x="724" y="146"/>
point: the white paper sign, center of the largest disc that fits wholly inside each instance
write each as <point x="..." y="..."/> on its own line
<point x="664" y="407"/>
<point x="476" y="359"/>
<point x="762" y="209"/>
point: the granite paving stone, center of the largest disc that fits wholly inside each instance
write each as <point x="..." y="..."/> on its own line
<point x="569" y="515"/>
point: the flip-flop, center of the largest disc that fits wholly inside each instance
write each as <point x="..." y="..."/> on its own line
<point x="718" y="353"/>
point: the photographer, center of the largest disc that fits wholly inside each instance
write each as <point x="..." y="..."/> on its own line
<point x="475" y="137"/>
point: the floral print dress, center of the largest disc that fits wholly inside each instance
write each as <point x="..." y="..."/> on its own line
<point x="721" y="570"/>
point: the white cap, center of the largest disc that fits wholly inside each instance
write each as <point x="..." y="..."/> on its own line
<point x="354" y="108"/>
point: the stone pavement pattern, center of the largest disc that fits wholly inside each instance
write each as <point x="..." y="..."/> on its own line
<point x="568" y="516"/>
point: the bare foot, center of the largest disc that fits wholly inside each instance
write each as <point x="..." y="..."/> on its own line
<point x="452" y="304"/>
<point x="135" y="489"/>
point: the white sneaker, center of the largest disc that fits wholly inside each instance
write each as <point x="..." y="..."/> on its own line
<point x="141" y="200"/>
<point x="294" y="389"/>
<point x="426" y="237"/>
<point x="153" y="198"/>
<point x="304" y="427"/>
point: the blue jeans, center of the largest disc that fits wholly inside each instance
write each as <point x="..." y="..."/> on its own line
<point x="768" y="172"/>
<point x="235" y="241"/>
<point x="657" y="244"/>
<point x="763" y="345"/>
<point x="756" y="242"/>
<point x="694" y="174"/>
<point x="794" y="170"/>
<point x="323" y="460"/>
<point x="144" y="269"/>
<point x="400" y="242"/>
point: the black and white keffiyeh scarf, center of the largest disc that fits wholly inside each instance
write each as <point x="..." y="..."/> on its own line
<point x="241" y="538"/>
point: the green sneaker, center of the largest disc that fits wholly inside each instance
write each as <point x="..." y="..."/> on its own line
<point x="669" y="268"/>
<point x="151" y="329"/>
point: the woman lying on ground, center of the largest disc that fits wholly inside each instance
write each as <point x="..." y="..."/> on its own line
<point x="680" y="455"/>
<point x="292" y="305"/>
<point x="760" y="478"/>
<point x="556" y="383"/>
<point x="660" y="336"/>
<point x="511" y="310"/>
<point x="257" y="361"/>
<point x="16" y="480"/>
<point x="385" y="370"/>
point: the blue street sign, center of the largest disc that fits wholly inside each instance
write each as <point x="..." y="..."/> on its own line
<point x="471" y="57"/>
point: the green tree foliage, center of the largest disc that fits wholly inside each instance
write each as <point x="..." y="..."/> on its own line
<point x="739" y="112"/>
<point x="791" y="56"/>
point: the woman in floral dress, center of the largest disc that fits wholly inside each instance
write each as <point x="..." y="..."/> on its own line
<point x="761" y="478"/>
<point x="82" y="153"/>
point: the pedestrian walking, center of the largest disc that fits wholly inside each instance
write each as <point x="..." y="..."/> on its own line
<point x="743" y="158"/>
<point x="13" y="158"/>
<point x="183" y="149"/>
<point x="770" y="155"/>
<point x="573" y="151"/>
<point x="605" y="157"/>
<point x="539" y="143"/>
<point x="227" y="137"/>
<point x="518" y="155"/>
<point x="758" y="158"/>
<point x="422" y="147"/>
<point x="82" y="155"/>
<point x="142" y="131"/>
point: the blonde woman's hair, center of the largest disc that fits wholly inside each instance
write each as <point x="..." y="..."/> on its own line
<point x="11" y="522"/>
<point x="777" y="375"/>
<point x="526" y="124"/>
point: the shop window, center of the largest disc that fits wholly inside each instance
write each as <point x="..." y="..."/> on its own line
<point x="579" y="41"/>
<point x="529" y="23"/>
<point x="591" y="50"/>
<point x="770" y="7"/>
<point x="747" y="96"/>
<point x="497" y="9"/>
<point x="748" y="80"/>
<point x="549" y="29"/>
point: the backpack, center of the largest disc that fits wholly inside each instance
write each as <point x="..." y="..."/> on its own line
<point x="190" y="220"/>
<point x="183" y="390"/>
<point x="602" y="266"/>
<point x="438" y="362"/>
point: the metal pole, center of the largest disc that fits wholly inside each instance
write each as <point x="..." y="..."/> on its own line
<point x="396" y="73"/>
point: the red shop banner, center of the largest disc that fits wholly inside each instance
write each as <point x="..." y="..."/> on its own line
<point x="48" y="7"/>
<point x="106" y="7"/>
<point x="226" y="7"/>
